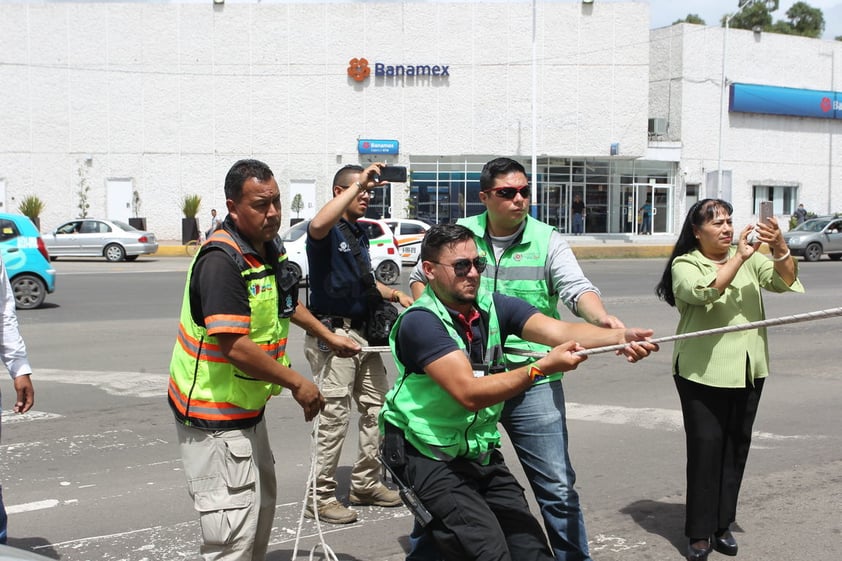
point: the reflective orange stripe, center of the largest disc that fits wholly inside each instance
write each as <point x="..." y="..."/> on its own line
<point x="212" y="353"/>
<point x="224" y="237"/>
<point x="227" y="323"/>
<point x="208" y="410"/>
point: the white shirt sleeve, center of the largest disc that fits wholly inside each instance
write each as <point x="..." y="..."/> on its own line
<point x="565" y="274"/>
<point x="12" y="347"/>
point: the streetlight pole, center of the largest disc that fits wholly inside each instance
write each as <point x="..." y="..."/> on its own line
<point x="723" y="87"/>
<point x="534" y="102"/>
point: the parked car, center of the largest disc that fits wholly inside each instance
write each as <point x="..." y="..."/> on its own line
<point x="815" y="237"/>
<point x="27" y="261"/>
<point x="92" y="237"/>
<point x="409" y="234"/>
<point x="381" y="243"/>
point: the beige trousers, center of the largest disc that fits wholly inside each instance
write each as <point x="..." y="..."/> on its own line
<point x="363" y="379"/>
<point x="231" y="479"/>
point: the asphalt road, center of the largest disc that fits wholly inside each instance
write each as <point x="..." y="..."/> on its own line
<point x="93" y="473"/>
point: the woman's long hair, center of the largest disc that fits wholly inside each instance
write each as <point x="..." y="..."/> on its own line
<point x="701" y="212"/>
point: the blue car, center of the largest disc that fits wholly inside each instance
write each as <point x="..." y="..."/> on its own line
<point x="27" y="261"/>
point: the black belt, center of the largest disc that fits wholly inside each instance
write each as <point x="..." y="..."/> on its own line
<point x="339" y="321"/>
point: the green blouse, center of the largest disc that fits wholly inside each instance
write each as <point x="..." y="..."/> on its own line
<point x="720" y="360"/>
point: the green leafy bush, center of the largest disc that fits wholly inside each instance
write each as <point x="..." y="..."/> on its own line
<point x="190" y="205"/>
<point x="31" y="206"/>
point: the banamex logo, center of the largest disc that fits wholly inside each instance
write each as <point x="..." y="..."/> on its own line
<point x="358" y="69"/>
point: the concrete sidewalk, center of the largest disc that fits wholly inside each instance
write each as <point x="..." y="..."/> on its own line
<point x="619" y="246"/>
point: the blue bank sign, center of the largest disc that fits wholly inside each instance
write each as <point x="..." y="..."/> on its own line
<point x="773" y="100"/>
<point x="368" y="146"/>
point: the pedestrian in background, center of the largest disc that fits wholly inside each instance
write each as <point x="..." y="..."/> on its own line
<point x="215" y="222"/>
<point x="577" y="207"/>
<point x="13" y="353"/>
<point x="646" y="217"/>
<point x="800" y="214"/>
<point x="720" y="378"/>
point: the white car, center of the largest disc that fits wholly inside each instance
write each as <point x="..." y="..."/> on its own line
<point x="382" y="248"/>
<point x="409" y="233"/>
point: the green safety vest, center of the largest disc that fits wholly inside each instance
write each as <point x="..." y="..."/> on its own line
<point x="430" y="418"/>
<point x="520" y="273"/>
<point x="207" y="391"/>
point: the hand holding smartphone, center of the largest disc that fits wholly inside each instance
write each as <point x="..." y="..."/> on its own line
<point x="766" y="211"/>
<point x="392" y="174"/>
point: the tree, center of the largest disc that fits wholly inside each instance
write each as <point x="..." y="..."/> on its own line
<point x="691" y="18"/>
<point x="751" y="16"/>
<point x="84" y="189"/>
<point x="838" y="38"/>
<point x="806" y="20"/>
<point x="297" y="204"/>
<point x="802" y="19"/>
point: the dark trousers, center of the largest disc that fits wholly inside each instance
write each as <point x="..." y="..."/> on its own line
<point x="480" y="512"/>
<point x="717" y="424"/>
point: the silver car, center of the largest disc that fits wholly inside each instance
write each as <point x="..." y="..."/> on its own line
<point x="817" y="236"/>
<point x="92" y="237"/>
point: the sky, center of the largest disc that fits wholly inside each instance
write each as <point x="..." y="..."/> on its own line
<point x="664" y="12"/>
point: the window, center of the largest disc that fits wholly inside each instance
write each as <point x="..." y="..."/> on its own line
<point x="413" y="229"/>
<point x="8" y="230"/>
<point x="782" y="196"/>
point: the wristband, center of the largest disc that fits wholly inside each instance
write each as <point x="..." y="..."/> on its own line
<point x="782" y="257"/>
<point x="536" y="373"/>
<point x="360" y="187"/>
<point x="396" y="296"/>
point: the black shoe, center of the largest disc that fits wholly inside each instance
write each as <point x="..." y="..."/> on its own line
<point x="700" y="551"/>
<point x="725" y="543"/>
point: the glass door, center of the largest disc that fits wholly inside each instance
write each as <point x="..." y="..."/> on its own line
<point x="662" y="210"/>
<point x="628" y="209"/>
<point x="554" y="206"/>
<point x="653" y="210"/>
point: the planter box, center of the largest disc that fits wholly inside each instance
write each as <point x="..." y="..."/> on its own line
<point x="139" y="223"/>
<point x="189" y="230"/>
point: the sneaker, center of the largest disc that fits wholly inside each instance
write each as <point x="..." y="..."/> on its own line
<point x="380" y="495"/>
<point x="332" y="512"/>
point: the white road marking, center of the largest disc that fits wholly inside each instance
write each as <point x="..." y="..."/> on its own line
<point x="653" y="419"/>
<point x="10" y="416"/>
<point x="128" y="384"/>
<point x="601" y="542"/>
<point x="143" y="385"/>
<point x="29" y="507"/>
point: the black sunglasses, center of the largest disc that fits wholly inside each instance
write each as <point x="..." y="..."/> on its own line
<point x="461" y="267"/>
<point x="510" y="192"/>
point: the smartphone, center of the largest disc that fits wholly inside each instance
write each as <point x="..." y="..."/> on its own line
<point x="766" y="211"/>
<point x="393" y="174"/>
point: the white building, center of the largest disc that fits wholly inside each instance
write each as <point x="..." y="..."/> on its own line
<point x="161" y="99"/>
<point x="789" y="158"/>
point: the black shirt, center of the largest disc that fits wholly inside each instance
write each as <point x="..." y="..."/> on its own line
<point x="422" y="338"/>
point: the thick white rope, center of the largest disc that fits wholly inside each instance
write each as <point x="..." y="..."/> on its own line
<point x="797" y="318"/>
<point x="310" y="488"/>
